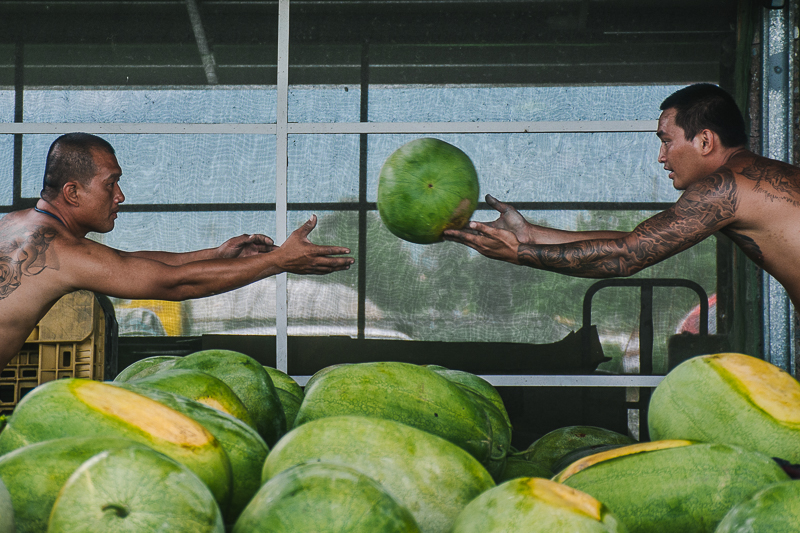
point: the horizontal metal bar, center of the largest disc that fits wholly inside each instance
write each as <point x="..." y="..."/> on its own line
<point x="556" y="381"/>
<point x="587" y="126"/>
<point x="142" y="128"/>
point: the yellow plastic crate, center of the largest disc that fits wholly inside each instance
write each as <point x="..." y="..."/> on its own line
<point x="69" y="342"/>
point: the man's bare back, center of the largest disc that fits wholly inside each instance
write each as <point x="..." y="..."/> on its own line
<point x="29" y="246"/>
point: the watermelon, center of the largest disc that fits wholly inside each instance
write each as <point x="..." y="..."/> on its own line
<point x="146" y="367"/>
<point x="517" y="466"/>
<point x="403" y="392"/>
<point x="251" y="383"/>
<point x="245" y="448"/>
<point x="773" y="509"/>
<point x="430" y="476"/>
<point x="284" y="381"/>
<point x="426" y="187"/>
<point x="343" y="500"/>
<point x="729" y="398"/>
<point x="79" y="407"/>
<point x="200" y="387"/>
<point x="475" y="383"/>
<point x="672" y="486"/>
<point x="132" y="490"/>
<point x="501" y="433"/>
<point x="6" y="511"/>
<point x="536" y="505"/>
<point x="291" y="405"/>
<point x="35" y="473"/>
<point x="548" y="449"/>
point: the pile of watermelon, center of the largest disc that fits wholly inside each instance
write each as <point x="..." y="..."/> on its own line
<point x="216" y="442"/>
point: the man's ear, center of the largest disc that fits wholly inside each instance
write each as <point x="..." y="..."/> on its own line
<point x="70" y="193"/>
<point x="706" y="141"/>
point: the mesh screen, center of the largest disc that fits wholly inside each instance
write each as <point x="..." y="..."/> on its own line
<point x="6" y="169"/>
<point x="177" y="169"/>
<point x="215" y="105"/>
<point x="6" y="105"/>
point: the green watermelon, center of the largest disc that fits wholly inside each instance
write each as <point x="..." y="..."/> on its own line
<point x="291" y="405"/>
<point x="35" y="473"/>
<point x="475" y="383"/>
<point x="342" y="499"/>
<point x="548" y="449"/>
<point x="672" y="486"/>
<point x="430" y="476"/>
<point x="146" y="367"/>
<point x="245" y="448"/>
<point x="6" y="511"/>
<point x="200" y="387"/>
<point x="284" y="381"/>
<point x="501" y="433"/>
<point x="249" y="381"/>
<point x="773" y="509"/>
<point x="536" y="505"/>
<point x="517" y="466"/>
<point x="403" y="392"/>
<point x="80" y="407"/>
<point x="426" y="187"/>
<point x="134" y="490"/>
<point x="729" y="398"/>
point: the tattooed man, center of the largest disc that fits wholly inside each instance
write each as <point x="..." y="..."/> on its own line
<point x="753" y="200"/>
<point x="44" y="252"/>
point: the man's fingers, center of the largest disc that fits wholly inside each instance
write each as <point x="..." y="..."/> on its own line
<point x="306" y="228"/>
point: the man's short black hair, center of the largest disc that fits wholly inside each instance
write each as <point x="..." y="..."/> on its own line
<point x="706" y="106"/>
<point x="70" y="158"/>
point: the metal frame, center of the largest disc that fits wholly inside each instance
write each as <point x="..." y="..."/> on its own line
<point x="282" y="129"/>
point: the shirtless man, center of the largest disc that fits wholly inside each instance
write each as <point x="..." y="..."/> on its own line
<point x="753" y="200"/>
<point x="44" y="252"/>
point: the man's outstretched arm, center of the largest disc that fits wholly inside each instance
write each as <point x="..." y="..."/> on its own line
<point x="702" y="210"/>
<point x="241" y="246"/>
<point x="102" y="269"/>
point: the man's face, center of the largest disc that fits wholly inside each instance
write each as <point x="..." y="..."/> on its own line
<point x="681" y="158"/>
<point x="103" y="194"/>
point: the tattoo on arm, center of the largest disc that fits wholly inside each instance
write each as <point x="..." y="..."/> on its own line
<point x="25" y="255"/>
<point x="703" y="209"/>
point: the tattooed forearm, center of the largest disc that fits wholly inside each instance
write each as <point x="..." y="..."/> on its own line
<point x="25" y="255"/>
<point x="703" y="209"/>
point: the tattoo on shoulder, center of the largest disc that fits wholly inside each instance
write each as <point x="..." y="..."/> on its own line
<point x="24" y="254"/>
<point x="777" y="181"/>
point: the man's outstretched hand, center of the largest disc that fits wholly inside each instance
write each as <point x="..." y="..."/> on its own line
<point x="492" y="242"/>
<point x="245" y="246"/>
<point x="509" y="219"/>
<point x="301" y="256"/>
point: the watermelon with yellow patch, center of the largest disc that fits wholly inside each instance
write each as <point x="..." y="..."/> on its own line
<point x="245" y="448"/>
<point x="729" y="398"/>
<point x="200" y="387"/>
<point x="536" y="505"/>
<point x="672" y="486"/>
<point x="79" y="407"/>
<point x="251" y="383"/>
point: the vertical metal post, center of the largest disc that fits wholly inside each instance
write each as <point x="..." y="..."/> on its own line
<point x="776" y="143"/>
<point x="282" y="149"/>
<point x="19" y="88"/>
<point x="362" y="196"/>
